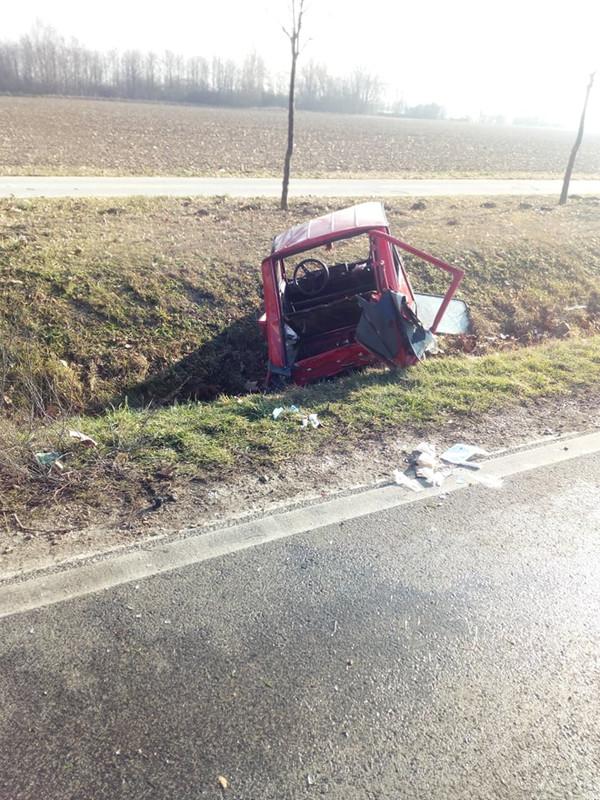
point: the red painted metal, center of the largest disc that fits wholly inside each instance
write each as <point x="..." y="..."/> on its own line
<point x="457" y="274"/>
<point x="331" y="363"/>
<point x="389" y="274"/>
<point x="273" y="323"/>
<point x="340" y="224"/>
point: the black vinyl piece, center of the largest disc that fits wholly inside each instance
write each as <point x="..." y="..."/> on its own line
<point x="389" y="327"/>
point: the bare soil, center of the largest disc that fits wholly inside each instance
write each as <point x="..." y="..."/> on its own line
<point x="73" y="136"/>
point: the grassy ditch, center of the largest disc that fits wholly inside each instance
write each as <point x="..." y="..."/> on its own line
<point x="136" y="323"/>
<point x="139" y="449"/>
<point x="157" y="300"/>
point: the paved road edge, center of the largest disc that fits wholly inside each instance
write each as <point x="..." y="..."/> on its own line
<point x="18" y="597"/>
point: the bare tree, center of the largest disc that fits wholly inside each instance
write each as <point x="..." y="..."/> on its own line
<point x="293" y="34"/>
<point x="567" y="179"/>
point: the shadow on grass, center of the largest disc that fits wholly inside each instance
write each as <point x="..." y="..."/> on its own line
<point x="224" y="365"/>
<point x="230" y="363"/>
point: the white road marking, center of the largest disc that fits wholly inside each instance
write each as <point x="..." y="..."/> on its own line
<point x="134" y="565"/>
<point x="90" y="186"/>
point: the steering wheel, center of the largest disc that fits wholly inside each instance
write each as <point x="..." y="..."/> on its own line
<point x="310" y="281"/>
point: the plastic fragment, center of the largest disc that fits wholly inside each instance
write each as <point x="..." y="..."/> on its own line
<point x="277" y="412"/>
<point x="409" y="483"/>
<point x="460" y="453"/>
<point x="48" y="459"/>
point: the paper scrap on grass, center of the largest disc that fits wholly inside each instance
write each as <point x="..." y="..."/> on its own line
<point x="83" y="438"/>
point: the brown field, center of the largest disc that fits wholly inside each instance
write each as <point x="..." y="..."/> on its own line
<point x="94" y="137"/>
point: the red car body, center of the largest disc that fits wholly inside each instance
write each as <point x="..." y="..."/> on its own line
<point x="322" y="319"/>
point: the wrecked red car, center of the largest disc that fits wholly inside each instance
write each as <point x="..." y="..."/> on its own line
<point x="325" y="313"/>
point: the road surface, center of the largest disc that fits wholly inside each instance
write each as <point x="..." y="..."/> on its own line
<point x="271" y="187"/>
<point x="445" y="649"/>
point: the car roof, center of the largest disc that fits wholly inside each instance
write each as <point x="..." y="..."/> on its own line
<point x="335" y="225"/>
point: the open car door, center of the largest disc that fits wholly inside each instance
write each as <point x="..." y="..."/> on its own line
<point x="390" y="329"/>
<point x="389" y="326"/>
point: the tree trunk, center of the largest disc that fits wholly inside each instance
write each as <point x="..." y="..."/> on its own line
<point x="290" y="141"/>
<point x="567" y="179"/>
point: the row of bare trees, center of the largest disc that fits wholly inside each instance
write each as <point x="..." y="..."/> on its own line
<point x="43" y="62"/>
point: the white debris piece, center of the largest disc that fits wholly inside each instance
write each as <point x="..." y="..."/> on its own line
<point x="401" y="479"/>
<point x="461" y="453"/>
<point x="426" y="460"/>
<point x="425" y="447"/>
<point x="83" y="438"/>
<point x="277" y="412"/>
<point x="426" y="455"/>
<point x="430" y="475"/>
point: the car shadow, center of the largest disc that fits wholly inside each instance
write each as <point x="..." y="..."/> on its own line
<point x="229" y="363"/>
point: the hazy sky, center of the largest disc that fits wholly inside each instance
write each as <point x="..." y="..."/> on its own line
<point x="517" y="57"/>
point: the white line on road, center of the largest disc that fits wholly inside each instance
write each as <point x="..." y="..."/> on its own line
<point x="169" y="555"/>
<point x="90" y="186"/>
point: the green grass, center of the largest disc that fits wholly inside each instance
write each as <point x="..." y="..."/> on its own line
<point x="241" y="433"/>
<point x="157" y="300"/>
<point x="141" y="450"/>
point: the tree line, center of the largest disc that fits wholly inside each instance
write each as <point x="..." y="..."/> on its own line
<point x="44" y="62"/>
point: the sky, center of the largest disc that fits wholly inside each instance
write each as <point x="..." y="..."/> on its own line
<point x="512" y="57"/>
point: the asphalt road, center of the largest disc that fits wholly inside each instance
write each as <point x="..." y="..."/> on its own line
<point x="271" y="187"/>
<point x="446" y="649"/>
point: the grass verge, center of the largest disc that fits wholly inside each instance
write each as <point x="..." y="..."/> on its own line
<point x="158" y="299"/>
<point x="106" y="308"/>
<point x="139" y="449"/>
